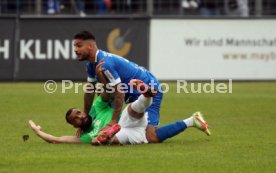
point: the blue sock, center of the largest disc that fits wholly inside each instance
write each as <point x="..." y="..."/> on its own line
<point x="170" y="130"/>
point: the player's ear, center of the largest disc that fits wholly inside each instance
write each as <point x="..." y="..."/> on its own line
<point x="91" y="44"/>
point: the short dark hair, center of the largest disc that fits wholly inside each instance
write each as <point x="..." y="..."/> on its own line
<point x="68" y="113"/>
<point x="85" y="35"/>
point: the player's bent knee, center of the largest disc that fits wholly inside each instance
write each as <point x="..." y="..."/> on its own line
<point x="134" y="114"/>
<point x="151" y="134"/>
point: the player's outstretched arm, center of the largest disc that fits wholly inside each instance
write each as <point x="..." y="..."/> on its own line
<point x="53" y="139"/>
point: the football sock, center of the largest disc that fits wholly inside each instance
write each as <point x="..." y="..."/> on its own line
<point x="141" y="104"/>
<point x="189" y="121"/>
<point x="170" y="130"/>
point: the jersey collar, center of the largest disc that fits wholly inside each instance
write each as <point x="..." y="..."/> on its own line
<point x="96" y="57"/>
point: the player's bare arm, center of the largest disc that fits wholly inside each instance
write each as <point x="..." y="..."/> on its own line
<point x="119" y="97"/>
<point x="53" y="139"/>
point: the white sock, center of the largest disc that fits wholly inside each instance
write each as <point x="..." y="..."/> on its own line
<point x="189" y="121"/>
<point x="141" y="104"/>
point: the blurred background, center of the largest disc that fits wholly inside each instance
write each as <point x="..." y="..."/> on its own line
<point x="175" y="39"/>
<point x="218" y="8"/>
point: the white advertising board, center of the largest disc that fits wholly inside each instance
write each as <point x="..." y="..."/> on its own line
<point x="213" y="49"/>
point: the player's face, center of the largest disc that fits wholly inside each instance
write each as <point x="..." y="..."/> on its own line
<point x="82" y="49"/>
<point x="79" y="119"/>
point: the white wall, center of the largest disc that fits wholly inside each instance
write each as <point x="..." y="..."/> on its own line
<point x="216" y="50"/>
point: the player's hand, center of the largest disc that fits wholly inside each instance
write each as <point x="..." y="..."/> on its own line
<point x="100" y="74"/>
<point x="36" y="128"/>
<point x="111" y="123"/>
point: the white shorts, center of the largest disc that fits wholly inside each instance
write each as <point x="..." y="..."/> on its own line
<point x="133" y="130"/>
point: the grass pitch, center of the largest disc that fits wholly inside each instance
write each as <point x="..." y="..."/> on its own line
<point x="242" y="125"/>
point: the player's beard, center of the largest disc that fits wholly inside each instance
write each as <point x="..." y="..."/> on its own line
<point x="83" y="57"/>
<point x="86" y="123"/>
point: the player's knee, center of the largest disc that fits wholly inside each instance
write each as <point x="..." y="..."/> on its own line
<point x="134" y="114"/>
<point x="151" y="134"/>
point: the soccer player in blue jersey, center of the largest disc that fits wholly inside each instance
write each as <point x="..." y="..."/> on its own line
<point x="118" y="70"/>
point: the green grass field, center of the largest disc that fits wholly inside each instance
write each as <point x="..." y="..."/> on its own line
<point x="242" y="125"/>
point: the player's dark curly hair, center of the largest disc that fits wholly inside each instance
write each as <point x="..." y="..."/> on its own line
<point x="68" y="113"/>
<point x="85" y="35"/>
<point x="84" y="127"/>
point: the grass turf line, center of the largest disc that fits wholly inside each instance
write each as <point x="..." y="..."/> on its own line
<point x="242" y="125"/>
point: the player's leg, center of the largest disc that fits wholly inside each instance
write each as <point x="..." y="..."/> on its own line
<point x="106" y="136"/>
<point x="142" y="106"/>
<point x="170" y="130"/>
<point x="132" y="131"/>
<point x="134" y="119"/>
<point x="114" y="140"/>
<point x="139" y="106"/>
<point x="153" y="118"/>
<point x="198" y="122"/>
<point x="134" y="135"/>
<point x="154" y="110"/>
<point x="152" y="127"/>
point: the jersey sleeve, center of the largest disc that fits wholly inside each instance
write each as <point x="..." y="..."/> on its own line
<point x="111" y="74"/>
<point x="98" y="105"/>
<point x="90" y="70"/>
<point x="85" y="138"/>
<point x="101" y="113"/>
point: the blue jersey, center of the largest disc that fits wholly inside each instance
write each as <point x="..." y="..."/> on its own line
<point x="120" y="70"/>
